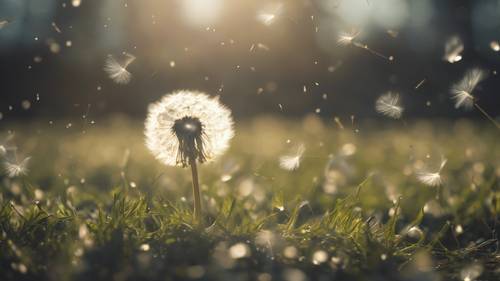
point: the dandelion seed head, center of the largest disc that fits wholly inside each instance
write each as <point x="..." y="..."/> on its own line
<point x="15" y="169"/>
<point x="462" y="91"/>
<point x="389" y="105"/>
<point x="292" y="162"/>
<point x="188" y="124"/>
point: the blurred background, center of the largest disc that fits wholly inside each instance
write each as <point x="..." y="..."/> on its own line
<point x="260" y="56"/>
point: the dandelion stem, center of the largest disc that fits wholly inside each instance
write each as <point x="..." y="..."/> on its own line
<point x="487" y="115"/>
<point x="196" y="190"/>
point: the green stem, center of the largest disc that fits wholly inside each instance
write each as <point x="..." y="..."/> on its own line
<point x="196" y="191"/>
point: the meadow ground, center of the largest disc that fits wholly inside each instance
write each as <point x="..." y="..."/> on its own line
<point x="98" y="206"/>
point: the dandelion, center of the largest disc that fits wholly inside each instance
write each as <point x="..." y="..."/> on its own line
<point x="462" y="92"/>
<point x="389" y="105"/>
<point x="292" y="162"/>
<point x="117" y="70"/>
<point x="432" y="178"/>
<point x="187" y="127"/>
<point x="15" y="169"/>
<point x="453" y="49"/>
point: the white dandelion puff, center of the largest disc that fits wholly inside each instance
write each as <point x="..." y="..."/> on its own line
<point x="117" y="70"/>
<point x="389" y="105"/>
<point x="207" y="124"/>
<point x="187" y="127"/>
<point x="453" y="49"/>
<point x="432" y="178"/>
<point x="462" y="91"/>
<point x="15" y="169"/>
<point x="292" y="162"/>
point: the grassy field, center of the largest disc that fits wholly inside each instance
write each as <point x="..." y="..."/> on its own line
<point x="95" y="205"/>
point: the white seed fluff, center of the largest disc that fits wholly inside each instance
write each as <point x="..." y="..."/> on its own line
<point x="389" y="105"/>
<point x="117" y="71"/>
<point x="14" y="169"/>
<point x="215" y="118"/>
<point x="453" y="49"/>
<point x="461" y="92"/>
<point x="432" y="178"/>
<point x="292" y="162"/>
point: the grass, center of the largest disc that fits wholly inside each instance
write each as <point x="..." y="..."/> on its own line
<point x="97" y="206"/>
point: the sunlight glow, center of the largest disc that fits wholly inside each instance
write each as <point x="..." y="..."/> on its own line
<point x="200" y="13"/>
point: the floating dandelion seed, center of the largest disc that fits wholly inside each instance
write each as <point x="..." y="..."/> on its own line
<point x="186" y="127"/>
<point x="453" y="49"/>
<point x="3" y="23"/>
<point x="349" y="38"/>
<point x="462" y="92"/>
<point x="15" y="169"/>
<point x="434" y="178"/>
<point x="292" y="162"/>
<point x="117" y="71"/>
<point x="270" y="13"/>
<point x="495" y="46"/>
<point x="389" y="104"/>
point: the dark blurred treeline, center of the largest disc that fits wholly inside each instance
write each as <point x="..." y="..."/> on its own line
<point x="52" y="55"/>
